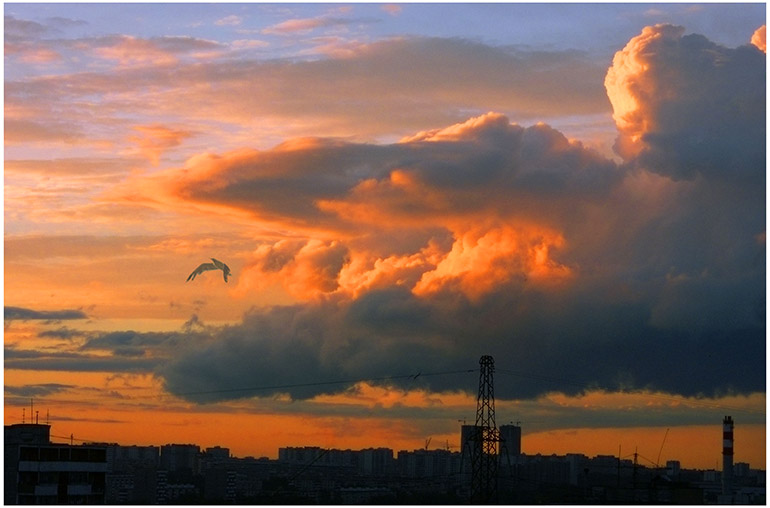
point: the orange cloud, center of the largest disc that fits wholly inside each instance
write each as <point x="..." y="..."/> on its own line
<point x="365" y="272"/>
<point x="482" y="259"/>
<point x="305" y="271"/>
<point x="154" y="140"/>
<point x="473" y="128"/>
<point x="368" y="395"/>
<point x="758" y="38"/>
<point x="400" y="199"/>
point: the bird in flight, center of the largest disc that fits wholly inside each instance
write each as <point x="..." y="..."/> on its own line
<point x="204" y="267"/>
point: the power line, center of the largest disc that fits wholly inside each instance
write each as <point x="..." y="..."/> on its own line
<point x="325" y="383"/>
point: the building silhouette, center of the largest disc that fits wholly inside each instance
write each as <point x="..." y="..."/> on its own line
<point x="40" y="472"/>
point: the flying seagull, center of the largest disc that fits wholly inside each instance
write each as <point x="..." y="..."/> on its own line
<point x="204" y="267"/>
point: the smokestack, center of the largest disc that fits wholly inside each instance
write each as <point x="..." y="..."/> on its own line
<point x="727" y="455"/>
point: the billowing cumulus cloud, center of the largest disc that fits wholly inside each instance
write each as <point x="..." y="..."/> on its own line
<point x="471" y="206"/>
<point x="686" y="106"/>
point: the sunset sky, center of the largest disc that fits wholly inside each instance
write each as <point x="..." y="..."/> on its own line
<point x="577" y="190"/>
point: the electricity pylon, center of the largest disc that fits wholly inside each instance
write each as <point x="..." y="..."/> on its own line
<point x="484" y="452"/>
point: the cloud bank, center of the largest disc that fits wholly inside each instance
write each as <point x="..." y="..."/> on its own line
<point x="486" y="237"/>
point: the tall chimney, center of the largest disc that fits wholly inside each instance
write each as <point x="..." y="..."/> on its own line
<point x="727" y="455"/>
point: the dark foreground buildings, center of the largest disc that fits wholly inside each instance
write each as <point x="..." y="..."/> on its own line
<point x="40" y="472"/>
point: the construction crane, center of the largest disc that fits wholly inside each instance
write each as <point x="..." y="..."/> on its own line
<point x="661" y="447"/>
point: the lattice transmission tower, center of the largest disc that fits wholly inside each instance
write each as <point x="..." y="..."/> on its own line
<point x="484" y="452"/>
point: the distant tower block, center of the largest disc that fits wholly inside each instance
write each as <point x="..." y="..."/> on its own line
<point x="469" y="446"/>
<point x="727" y="455"/>
<point x="510" y="437"/>
<point x="484" y="454"/>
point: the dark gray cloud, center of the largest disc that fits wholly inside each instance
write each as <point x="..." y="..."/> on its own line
<point x="37" y="390"/>
<point x="62" y="333"/>
<point x="128" y="338"/>
<point x="72" y="362"/>
<point x="568" y="344"/>
<point x="10" y="353"/>
<point x="21" y="313"/>
<point x="20" y="29"/>
<point x="65" y="23"/>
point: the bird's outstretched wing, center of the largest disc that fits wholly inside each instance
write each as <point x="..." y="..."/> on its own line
<point x="204" y="267"/>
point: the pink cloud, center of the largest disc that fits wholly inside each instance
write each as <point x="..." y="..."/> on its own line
<point x="291" y="26"/>
<point x="154" y="140"/>
<point x="392" y="9"/>
<point x="231" y="20"/>
<point x="129" y="50"/>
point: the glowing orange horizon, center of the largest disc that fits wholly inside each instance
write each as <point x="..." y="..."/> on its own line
<point x="114" y="408"/>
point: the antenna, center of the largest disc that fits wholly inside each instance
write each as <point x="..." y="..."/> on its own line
<point x="23" y="416"/>
<point x="47" y="416"/>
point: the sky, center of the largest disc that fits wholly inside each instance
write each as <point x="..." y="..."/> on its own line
<point x="577" y="190"/>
